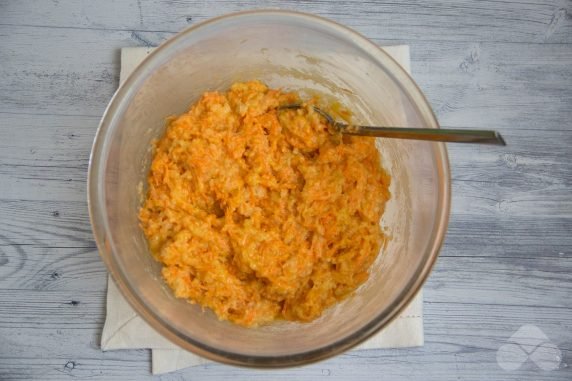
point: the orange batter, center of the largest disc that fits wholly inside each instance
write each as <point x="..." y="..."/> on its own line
<point x="262" y="214"/>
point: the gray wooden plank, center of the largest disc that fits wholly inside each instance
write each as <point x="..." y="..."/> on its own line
<point x="46" y="158"/>
<point x="27" y="267"/>
<point x="62" y="140"/>
<point x="499" y="86"/>
<point x="509" y="21"/>
<point x="124" y="365"/>
<point x="45" y="223"/>
<point x="529" y="279"/>
<point x="400" y="366"/>
<point x="468" y="363"/>
<point x="449" y="352"/>
<point x="473" y="85"/>
<point x="36" y="140"/>
<point x="66" y="224"/>
<point x="43" y="182"/>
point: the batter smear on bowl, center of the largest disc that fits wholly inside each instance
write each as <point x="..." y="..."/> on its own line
<point x="259" y="213"/>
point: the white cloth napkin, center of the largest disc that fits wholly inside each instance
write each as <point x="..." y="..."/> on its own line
<point x="124" y="329"/>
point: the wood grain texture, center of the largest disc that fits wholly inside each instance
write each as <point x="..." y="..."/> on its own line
<point x="507" y="259"/>
<point x="72" y="319"/>
<point x="491" y="20"/>
<point x="468" y="84"/>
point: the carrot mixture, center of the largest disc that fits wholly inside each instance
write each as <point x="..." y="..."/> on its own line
<point x="260" y="213"/>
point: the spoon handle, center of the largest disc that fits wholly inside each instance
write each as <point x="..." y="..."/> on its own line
<point x="432" y="134"/>
<point x="437" y="135"/>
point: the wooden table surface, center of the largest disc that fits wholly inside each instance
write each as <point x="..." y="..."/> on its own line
<point x="507" y="260"/>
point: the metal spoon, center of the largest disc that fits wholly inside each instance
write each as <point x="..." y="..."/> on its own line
<point x="438" y="135"/>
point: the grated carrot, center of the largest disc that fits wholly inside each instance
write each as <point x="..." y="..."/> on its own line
<point x="260" y="214"/>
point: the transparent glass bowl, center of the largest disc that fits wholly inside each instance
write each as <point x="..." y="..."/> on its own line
<point x="293" y="51"/>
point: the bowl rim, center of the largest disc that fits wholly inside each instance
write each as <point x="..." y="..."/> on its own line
<point x="97" y="215"/>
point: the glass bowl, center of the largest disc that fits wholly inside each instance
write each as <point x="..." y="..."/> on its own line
<point x="292" y="51"/>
